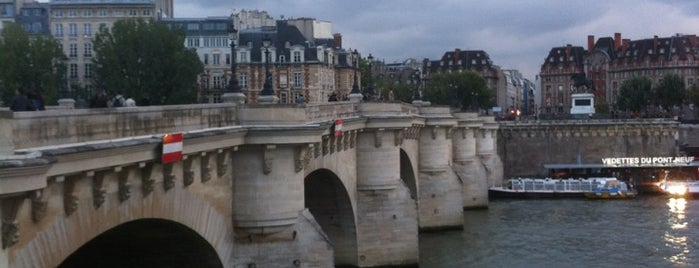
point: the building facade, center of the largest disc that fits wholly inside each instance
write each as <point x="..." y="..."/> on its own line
<point x="305" y="61"/>
<point x="74" y="24"/>
<point x="609" y="61"/>
<point x="34" y="18"/>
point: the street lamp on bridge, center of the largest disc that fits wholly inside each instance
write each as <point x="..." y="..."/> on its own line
<point x="355" y="95"/>
<point x="267" y="93"/>
<point x="233" y="92"/>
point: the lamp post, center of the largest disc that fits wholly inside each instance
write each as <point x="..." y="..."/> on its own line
<point x="370" y="88"/>
<point x="417" y="100"/>
<point x="267" y="94"/>
<point x="355" y="94"/>
<point x="233" y="92"/>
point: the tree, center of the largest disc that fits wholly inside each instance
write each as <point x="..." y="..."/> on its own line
<point x="670" y="92"/>
<point x="144" y="59"/>
<point x="30" y="63"/>
<point x="463" y="90"/>
<point x="635" y="94"/>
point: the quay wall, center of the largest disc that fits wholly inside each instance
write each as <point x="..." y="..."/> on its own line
<point x="525" y="147"/>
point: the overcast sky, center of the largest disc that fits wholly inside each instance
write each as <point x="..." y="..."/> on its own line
<point x="517" y="34"/>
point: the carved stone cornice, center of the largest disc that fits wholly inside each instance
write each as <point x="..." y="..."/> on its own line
<point x="268" y="159"/>
<point x="205" y="167"/>
<point x="123" y="183"/>
<point x="98" y="191"/>
<point x="10" y="225"/>
<point x="147" y="182"/>
<point x="169" y="177"/>
<point x="187" y="171"/>
<point x="39" y="205"/>
<point x="399" y="135"/>
<point x="302" y="157"/>
<point x="221" y="162"/>
<point x="70" y="200"/>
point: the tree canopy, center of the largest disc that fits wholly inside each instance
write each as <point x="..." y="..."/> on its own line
<point x="465" y="90"/>
<point x="635" y="94"/>
<point x="144" y="59"/>
<point x="670" y="91"/>
<point x="27" y="63"/>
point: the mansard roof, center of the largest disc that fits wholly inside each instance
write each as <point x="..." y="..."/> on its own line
<point x="656" y="48"/>
<point x="565" y="56"/>
<point x="462" y="59"/>
<point x="606" y="45"/>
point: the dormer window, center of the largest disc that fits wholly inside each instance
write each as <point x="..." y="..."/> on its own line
<point x="297" y="56"/>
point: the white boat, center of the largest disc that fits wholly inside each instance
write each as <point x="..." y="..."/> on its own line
<point x="680" y="188"/>
<point x="548" y="187"/>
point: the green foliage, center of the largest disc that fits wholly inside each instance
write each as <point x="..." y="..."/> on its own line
<point x="30" y="63"/>
<point x="693" y="95"/>
<point x="635" y="94"/>
<point x="144" y="59"/>
<point x="670" y="92"/>
<point x="463" y="90"/>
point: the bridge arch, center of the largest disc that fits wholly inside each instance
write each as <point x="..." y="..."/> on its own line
<point x="407" y="173"/>
<point x="146" y="243"/>
<point x="176" y="209"/>
<point x="329" y="202"/>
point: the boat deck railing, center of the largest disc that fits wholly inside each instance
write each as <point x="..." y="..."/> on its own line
<point x="557" y="185"/>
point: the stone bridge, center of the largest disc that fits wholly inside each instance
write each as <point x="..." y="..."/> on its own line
<point x="257" y="186"/>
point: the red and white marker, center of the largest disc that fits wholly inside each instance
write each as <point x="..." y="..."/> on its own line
<point x="172" y="148"/>
<point x="338" y="127"/>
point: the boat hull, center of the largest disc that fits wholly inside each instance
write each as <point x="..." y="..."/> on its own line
<point x="506" y="193"/>
<point x="606" y="195"/>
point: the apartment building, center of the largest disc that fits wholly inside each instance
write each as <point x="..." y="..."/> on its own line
<point x="304" y="58"/>
<point x="609" y="61"/>
<point x="74" y="24"/>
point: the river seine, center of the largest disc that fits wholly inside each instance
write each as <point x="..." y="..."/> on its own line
<point x="649" y="231"/>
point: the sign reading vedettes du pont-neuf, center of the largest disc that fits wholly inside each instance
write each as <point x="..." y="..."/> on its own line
<point x="658" y="161"/>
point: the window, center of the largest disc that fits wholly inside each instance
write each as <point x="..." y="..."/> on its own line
<point x="243" y="80"/>
<point x="73" y="14"/>
<point x="242" y="57"/>
<point x="59" y="30"/>
<point x="73" y="28"/>
<point x="133" y="12"/>
<point x="228" y="59"/>
<point x="297" y="56"/>
<point x="192" y="26"/>
<point x="73" y="70"/>
<point x="88" y="70"/>
<point x="103" y="26"/>
<point x="87" y="13"/>
<point x="217" y="59"/>
<point x="88" y="50"/>
<point x="217" y="81"/>
<point x="73" y="50"/>
<point x="146" y="12"/>
<point x="102" y="13"/>
<point x="87" y="29"/>
<point x="118" y="13"/>
<point x="298" y="79"/>
<point x="206" y="59"/>
<point x="58" y="14"/>
<point x="193" y="42"/>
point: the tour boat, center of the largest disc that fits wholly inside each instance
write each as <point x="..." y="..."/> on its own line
<point x="547" y="187"/>
<point x="612" y="189"/>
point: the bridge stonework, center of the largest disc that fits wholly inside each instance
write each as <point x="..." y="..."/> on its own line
<point x="263" y="185"/>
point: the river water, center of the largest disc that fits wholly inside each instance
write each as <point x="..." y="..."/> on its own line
<point x="649" y="231"/>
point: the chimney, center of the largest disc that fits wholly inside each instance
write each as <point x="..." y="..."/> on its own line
<point x="337" y="39"/>
<point x="617" y="41"/>
<point x="655" y="44"/>
<point x="456" y="54"/>
<point x="625" y="44"/>
<point x="590" y="43"/>
<point x="568" y="47"/>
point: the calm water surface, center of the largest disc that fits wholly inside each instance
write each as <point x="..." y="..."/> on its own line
<point x="651" y="231"/>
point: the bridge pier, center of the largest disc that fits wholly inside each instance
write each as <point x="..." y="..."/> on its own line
<point x="385" y="210"/>
<point x="486" y="142"/>
<point x="440" y="197"/>
<point x="467" y="165"/>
